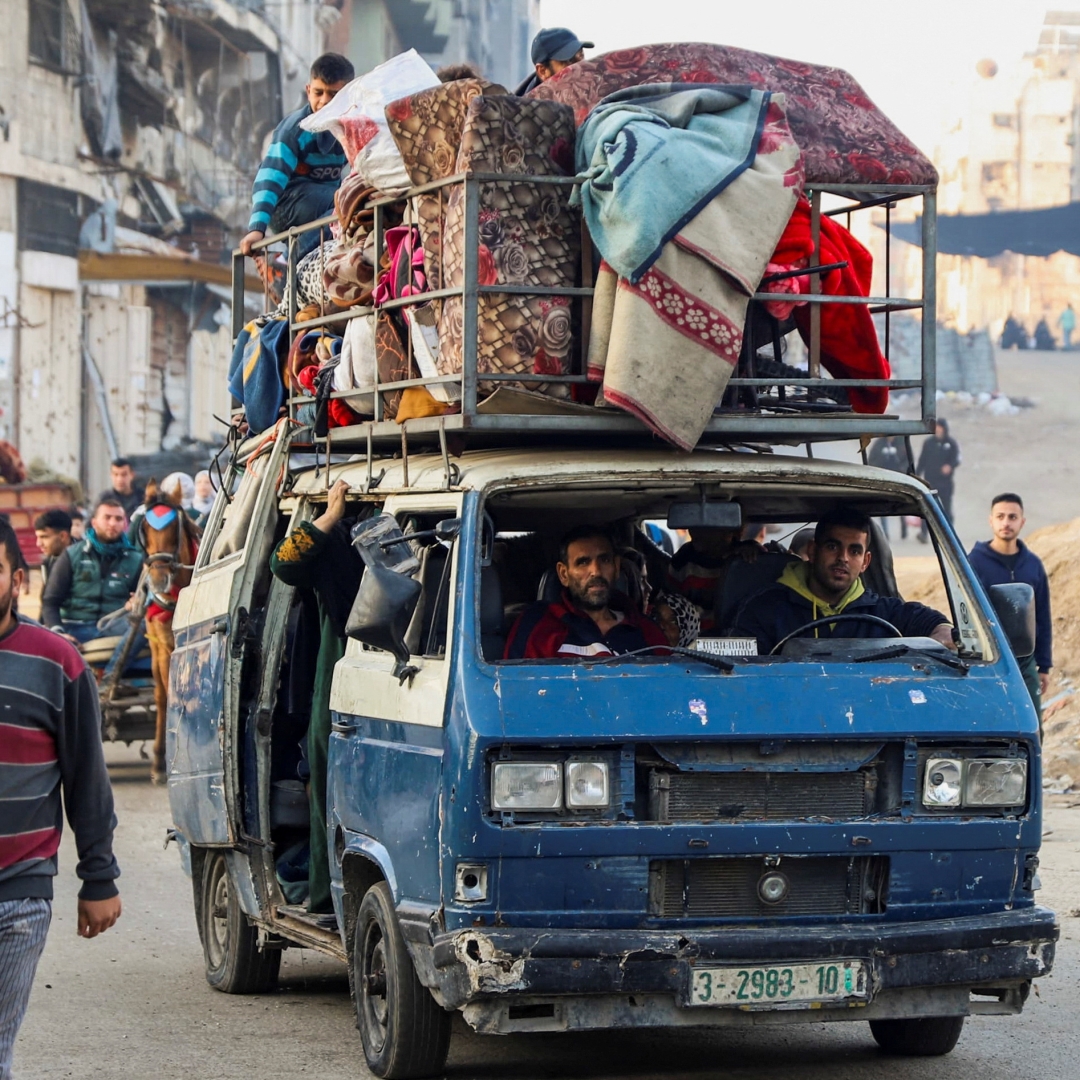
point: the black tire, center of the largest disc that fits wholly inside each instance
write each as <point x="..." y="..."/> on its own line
<point x="404" y="1031"/>
<point x="929" y="1037"/>
<point x="234" y="962"/>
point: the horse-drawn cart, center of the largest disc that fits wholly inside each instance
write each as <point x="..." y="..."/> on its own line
<point x="125" y="681"/>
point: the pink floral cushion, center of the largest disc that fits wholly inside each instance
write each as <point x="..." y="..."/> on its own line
<point x="845" y="138"/>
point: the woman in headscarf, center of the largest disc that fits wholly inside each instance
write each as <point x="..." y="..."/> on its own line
<point x="204" y="493"/>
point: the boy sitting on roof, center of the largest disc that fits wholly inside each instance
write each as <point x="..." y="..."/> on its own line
<point x="301" y="171"/>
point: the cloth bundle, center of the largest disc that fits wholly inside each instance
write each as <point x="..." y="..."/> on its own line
<point x="668" y="320"/>
<point x="255" y="370"/>
<point x="528" y="236"/>
<point x="843" y="135"/>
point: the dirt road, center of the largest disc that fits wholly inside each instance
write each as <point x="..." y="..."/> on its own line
<point x="134" y="1003"/>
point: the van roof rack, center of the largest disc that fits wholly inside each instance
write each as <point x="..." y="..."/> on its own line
<point x="771" y="407"/>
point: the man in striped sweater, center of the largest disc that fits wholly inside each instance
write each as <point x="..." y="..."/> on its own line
<point x="50" y="740"/>
<point x="301" y="171"/>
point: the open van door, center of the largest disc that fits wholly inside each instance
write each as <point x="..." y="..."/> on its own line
<point x="217" y="628"/>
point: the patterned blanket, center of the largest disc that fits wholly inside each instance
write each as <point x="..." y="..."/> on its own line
<point x="665" y="347"/>
<point x="844" y="136"/>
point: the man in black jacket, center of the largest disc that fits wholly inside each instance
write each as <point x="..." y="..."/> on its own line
<point x="939" y="459"/>
<point x="830" y="584"/>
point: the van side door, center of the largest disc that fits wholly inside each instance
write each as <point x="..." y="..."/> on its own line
<point x="386" y="750"/>
<point x="216" y="627"/>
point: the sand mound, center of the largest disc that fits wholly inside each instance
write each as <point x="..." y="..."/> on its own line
<point x="1058" y="547"/>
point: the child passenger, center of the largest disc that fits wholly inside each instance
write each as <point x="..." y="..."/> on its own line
<point x="301" y="171"/>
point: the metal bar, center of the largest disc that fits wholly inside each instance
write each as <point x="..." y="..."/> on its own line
<point x="815" y="299"/>
<point x="784" y="275"/>
<point x="866" y="204"/>
<point x="815" y="285"/>
<point x="329" y="320"/>
<point x="825" y="384"/>
<point x="858" y="190"/>
<point x="296" y="230"/>
<point x="888" y="271"/>
<point x="377" y="228"/>
<point x="535" y="290"/>
<point x="291" y="287"/>
<point x="404" y="454"/>
<point x="929" y="315"/>
<point x="470" y="301"/>
<point x="911" y="305"/>
<point x="238" y="309"/>
<point x="445" y="453"/>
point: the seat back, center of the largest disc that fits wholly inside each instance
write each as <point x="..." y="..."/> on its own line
<point x="744" y="579"/>
<point x="492" y="636"/>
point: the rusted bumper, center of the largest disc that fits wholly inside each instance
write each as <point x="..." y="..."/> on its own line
<point x="1004" y="950"/>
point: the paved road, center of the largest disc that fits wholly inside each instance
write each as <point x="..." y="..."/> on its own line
<point x="134" y="1004"/>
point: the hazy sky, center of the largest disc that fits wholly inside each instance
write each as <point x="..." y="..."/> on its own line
<point x="912" y="64"/>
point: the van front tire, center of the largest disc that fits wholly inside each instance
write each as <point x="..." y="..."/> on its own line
<point x="234" y="962"/>
<point x="924" y="1037"/>
<point x="404" y="1031"/>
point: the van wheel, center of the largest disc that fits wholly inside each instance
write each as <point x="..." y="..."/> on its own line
<point x="405" y="1032"/>
<point x="234" y="962"/>
<point x="930" y="1037"/>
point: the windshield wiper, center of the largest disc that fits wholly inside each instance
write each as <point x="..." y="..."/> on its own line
<point x="711" y="659"/>
<point x="892" y="652"/>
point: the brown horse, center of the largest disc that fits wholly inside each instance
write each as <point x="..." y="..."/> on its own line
<point x="171" y="540"/>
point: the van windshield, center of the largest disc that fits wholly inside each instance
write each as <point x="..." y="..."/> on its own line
<point x="754" y="573"/>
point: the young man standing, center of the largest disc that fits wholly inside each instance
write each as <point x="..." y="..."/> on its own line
<point x="1007" y="558"/>
<point x="123" y="490"/>
<point x="301" y="171"/>
<point x="553" y="50"/>
<point x="53" y="533"/>
<point x="50" y="741"/>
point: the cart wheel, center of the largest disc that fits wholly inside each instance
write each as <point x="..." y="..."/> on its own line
<point x="930" y="1037"/>
<point x="405" y="1032"/>
<point x="234" y="962"/>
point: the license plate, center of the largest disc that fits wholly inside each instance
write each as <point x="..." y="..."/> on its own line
<point x="832" y="982"/>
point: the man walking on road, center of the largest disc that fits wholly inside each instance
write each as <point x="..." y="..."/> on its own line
<point x="50" y="740"/>
<point x="939" y="459"/>
<point x="1007" y="558"/>
<point x="124" y="490"/>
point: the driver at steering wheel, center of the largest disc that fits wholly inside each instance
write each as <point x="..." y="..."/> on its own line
<point x="830" y="583"/>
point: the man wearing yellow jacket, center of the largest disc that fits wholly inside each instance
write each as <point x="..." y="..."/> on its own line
<point x="830" y="584"/>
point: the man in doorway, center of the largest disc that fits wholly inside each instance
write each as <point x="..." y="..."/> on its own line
<point x="1007" y="558"/>
<point x="52" y="530"/>
<point x="553" y="50"/>
<point x="124" y="489"/>
<point x="94" y="577"/>
<point x="589" y="619"/>
<point x="939" y="459"/>
<point x="51" y="742"/>
<point x="830" y="584"/>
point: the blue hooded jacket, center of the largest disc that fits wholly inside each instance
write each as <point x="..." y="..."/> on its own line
<point x="991" y="569"/>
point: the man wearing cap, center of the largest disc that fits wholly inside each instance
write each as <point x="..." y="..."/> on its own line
<point x="553" y="50"/>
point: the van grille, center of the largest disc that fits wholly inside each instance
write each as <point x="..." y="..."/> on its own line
<point x="728" y="887"/>
<point x="759" y="796"/>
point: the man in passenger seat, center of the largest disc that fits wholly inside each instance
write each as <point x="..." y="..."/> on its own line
<point x="317" y="555"/>
<point x="589" y="619"/>
<point x="830" y="584"/>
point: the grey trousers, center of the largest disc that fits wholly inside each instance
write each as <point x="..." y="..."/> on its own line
<point x="23" y="927"/>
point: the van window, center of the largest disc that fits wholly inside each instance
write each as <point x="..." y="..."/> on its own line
<point x="427" y="633"/>
<point x="719" y="582"/>
<point x="232" y="531"/>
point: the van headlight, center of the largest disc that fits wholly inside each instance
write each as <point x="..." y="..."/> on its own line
<point x="995" y="782"/>
<point x="526" y="785"/>
<point x="954" y="782"/>
<point x="586" y="784"/>
<point x="943" y="782"/>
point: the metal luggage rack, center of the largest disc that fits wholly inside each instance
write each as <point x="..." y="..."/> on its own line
<point x="765" y="410"/>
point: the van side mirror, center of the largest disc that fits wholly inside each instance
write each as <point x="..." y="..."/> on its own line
<point x="1014" y="604"/>
<point x="704" y="515"/>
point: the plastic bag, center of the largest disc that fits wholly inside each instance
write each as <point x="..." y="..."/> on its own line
<point x="357" y="118"/>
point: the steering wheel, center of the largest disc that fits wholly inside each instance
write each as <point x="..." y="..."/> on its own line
<point x="828" y="621"/>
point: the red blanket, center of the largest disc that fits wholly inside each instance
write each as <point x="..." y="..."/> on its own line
<point x="849" y="342"/>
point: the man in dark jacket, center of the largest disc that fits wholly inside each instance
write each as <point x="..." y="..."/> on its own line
<point x="124" y="489"/>
<point x="939" y="459"/>
<point x="52" y="530"/>
<point x="588" y="620"/>
<point x="94" y="577"/>
<point x="1007" y="558"/>
<point x="890" y="453"/>
<point x="830" y="584"/>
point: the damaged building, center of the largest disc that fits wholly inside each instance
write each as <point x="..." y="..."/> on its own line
<point x="130" y="131"/>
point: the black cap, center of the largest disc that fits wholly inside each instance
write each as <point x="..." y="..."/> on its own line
<point x="558" y="43"/>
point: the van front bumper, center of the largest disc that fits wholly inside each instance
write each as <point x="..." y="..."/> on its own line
<point x="1001" y="951"/>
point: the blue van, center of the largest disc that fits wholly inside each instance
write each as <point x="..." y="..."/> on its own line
<point x="845" y="829"/>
